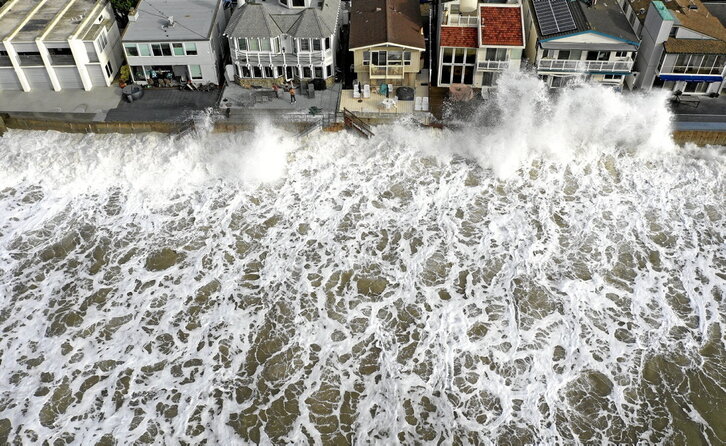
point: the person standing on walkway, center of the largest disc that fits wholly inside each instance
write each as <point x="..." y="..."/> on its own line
<point x="277" y="90"/>
<point x="292" y="95"/>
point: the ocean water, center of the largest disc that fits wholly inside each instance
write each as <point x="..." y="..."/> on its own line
<point x="552" y="271"/>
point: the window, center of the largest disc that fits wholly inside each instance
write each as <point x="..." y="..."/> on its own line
<point x="316" y="45"/>
<point x="268" y="72"/>
<point x="622" y="54"/>
<point x="298" y="3"/>
<point x="156" y="48"/>
<point x="378" y="57"/>
<point x="558" y="82"/>
<point x="407" y="58"/>
<point x="329" y="71"/>
<point x="612" y="77"/>
<point x="195" y="71"/>
<point x="448" y="55"/>
<point x="495" y="54"/>
<point x="138" y="73"/>
<point x="319" y="72"/>
<point x="109" y="69"/>
<point x="280" y="70"/>
<point x="458" y="65"/>
<point x="102" y="41"/>
<point x="598" y="55"/>
<point x="306" y="72"/>
<point x="191" y="49"/>
<point x="242" y="44"/>
<point x="166" y="49"/>
<point x="366" y="57"/>
<point x="283" y="2"/>
<point x="178" y="49"/>
<point x="246" y="72"/>
<point x="395" y="57"/>
<point x="489" y="78"/>
<point x="265" y="45"/>
<point x="327" y="43"/>
<point x="253" y="44"/>
<point x="563" y="55"/>
<point x="673" y="32"/>
<point x="257" y="71"/>
<point x="304" y="45"/>
<point x="144" y="49"/>
<point x="276" y="45"/>
<point x="131" y="49"/>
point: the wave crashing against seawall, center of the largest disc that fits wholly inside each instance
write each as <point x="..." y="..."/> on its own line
<point x="566" y="287"/>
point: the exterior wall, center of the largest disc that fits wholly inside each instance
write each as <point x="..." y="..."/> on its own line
<point x="206" y="58"/>
<point x="46" y="72"/>
<point x="287" y="63"/>
<point x="655" y="32"/>
<point x="409" y="71"/>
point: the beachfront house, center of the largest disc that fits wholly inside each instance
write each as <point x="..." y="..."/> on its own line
<point x="387" y="41"/>
<point x="591" y="39"/>
<point x="477" y="42"/>
<point x="683" y="46"/>
<point x="172" y="42"/>
<point x="58" y="45"/>
<point x="278" y="41"/>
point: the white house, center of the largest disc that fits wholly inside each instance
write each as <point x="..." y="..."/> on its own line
<point x="683" y="47"/>
<point x="178" y="41"/>
<point x="567" y="39"/>
<point x="283" y="40"/>
<point x="58" y="45"/>
<point x="477" y="42"/>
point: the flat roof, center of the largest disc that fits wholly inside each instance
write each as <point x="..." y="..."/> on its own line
<point x="14" y="13"/>
<point x="193" y="20"/>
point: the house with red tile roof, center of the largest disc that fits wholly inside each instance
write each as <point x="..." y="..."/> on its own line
<point x="478" y="41"/>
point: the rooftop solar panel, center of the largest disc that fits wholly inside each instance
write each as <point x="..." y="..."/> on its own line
<point x="553" y="16"/>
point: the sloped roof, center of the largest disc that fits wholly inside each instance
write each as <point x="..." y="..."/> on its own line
<point x="502" y="25"/>
<point x="698" y="46"/>
<point x="256" y="20"/>
<point x="459" y="36"/>
<point x="604" y="17"/>
<point x="373" y="22"/>
<point x="252" y="20"/>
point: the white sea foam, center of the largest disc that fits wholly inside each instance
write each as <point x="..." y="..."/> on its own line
<point x="554" y="277"/>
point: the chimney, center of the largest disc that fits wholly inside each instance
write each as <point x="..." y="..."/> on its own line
<point x="171" y="20"/>
<point x="133" y="15"/>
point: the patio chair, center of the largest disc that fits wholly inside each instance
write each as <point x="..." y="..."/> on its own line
<point x="425" y="103"/>
<point x="417" y="104"/>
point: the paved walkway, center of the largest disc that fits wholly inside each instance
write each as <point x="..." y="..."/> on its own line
<point x="164" y="104"/>
<point x="97" y="101"/>
<point x="251" y="101"/>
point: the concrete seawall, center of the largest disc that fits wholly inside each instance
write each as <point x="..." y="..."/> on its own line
<point x="698" y="137"/>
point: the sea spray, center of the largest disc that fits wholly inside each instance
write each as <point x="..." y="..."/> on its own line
<point x="513" y="284"/>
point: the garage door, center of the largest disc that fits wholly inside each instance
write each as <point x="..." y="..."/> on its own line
<point x="38" y="79"/>
<point x="9" y="80"/>
<point x="98" y="78"/>
<point x="69" y="78"/>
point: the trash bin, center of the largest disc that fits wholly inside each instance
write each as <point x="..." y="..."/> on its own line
<point x="311" y="91"/>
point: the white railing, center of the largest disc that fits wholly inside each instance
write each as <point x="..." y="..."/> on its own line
<point x="462" y="20"/>
<point x="498" y="65"/>
<point x="585" y="65"/>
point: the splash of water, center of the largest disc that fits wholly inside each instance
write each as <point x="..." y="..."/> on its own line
<point x="554" y="277"/>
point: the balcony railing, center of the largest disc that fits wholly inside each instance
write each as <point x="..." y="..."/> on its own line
<point x="386" y="71"/>
<point x="585" y="65"/>
<point x="493" y="65"/>
<point x="715" y="70"/>
<point x="462" y="20"/>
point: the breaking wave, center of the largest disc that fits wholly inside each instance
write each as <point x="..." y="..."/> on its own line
<point x="552" y="272"/>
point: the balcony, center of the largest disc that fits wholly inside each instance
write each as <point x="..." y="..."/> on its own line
<point x="712" y="71"/>
<point x="386" y="71"/>
<point x="585" y="66"/>
<point x="492" y="65"/>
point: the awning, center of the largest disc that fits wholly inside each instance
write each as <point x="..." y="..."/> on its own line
<point x="690" y="78"/>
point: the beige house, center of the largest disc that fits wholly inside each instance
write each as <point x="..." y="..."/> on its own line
<point x="386" y="38"/>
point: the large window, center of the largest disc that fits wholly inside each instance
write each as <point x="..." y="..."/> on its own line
<point x="304" y="45"/>
<point x="161" y="49"/>
<point x="242" y="44"/>
<point x="109" y="69"/>
<point x="195" y="71"/>
<point x="496" y="54"/>
<point x="131" y="49"/>
<point x="699" y="64"/>
<point x="319" y="72"/>
<point x="102" y="41"/>
<point x="457" y="66"/>
<point x="316" y="45"/>
<point x="144" y="49"/>
<point x="598" y="55"/>
<point x="178" y="49"/>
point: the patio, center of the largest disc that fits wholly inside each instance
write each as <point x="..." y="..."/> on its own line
<point x="377" y="105"/>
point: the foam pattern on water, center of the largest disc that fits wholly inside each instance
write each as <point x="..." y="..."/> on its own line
<point x="421" y="287"/>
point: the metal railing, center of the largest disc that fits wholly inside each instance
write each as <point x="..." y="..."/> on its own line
<point x="585" y="65"/>
<point x="498" y="65"/>
<point x="386" y="71"/>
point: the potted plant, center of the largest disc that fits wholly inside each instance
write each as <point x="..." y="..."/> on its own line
<point x="124" y="76"/>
